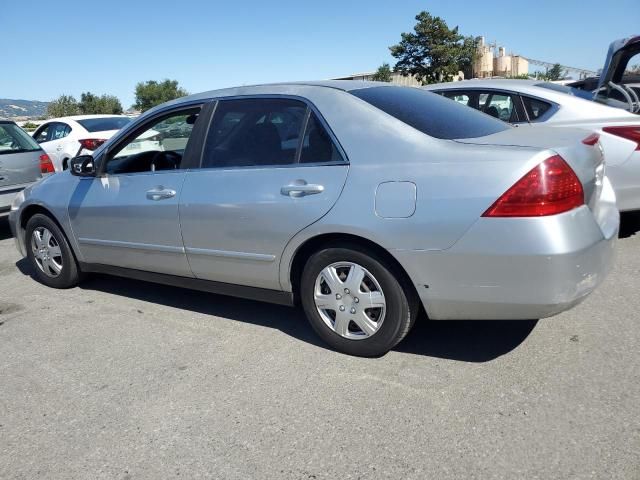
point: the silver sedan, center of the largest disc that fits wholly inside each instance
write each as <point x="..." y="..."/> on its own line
<point x="362" y="202"/>
<point x="543" y="103"/>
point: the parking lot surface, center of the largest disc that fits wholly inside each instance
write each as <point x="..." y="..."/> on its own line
<point x="128" y="380"/>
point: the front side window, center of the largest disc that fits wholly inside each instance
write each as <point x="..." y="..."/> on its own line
<point x="254" y="132"/>
<point x="535" y="108"/>
<point x="42" y="133"/>
<point x="158" y="146"/>
<point x="13" y="139"/>
<point x="461" y="98"/>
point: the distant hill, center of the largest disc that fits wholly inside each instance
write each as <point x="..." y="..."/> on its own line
<point x="24" y="109"/>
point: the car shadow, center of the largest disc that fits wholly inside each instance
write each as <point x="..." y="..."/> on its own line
<point x="467" y="341"/>
<point x="5" y="230"/>
<point x="629" y="224"/>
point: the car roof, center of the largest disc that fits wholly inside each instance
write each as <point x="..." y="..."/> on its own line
<point x="282" y="88"/>
<point x="261" y="89"/>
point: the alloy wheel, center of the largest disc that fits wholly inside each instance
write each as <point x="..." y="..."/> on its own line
<point x="46" y="252"/>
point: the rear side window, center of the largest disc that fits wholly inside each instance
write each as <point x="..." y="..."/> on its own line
<point x="317" y="146"/>
<point x="59" y="131"/>
<point x="535" y="108"/>
<point x="104" y="124"/>
<point x="15" y="140"/>
<point x="254" y="132"/>
<point x="430" y="113"/>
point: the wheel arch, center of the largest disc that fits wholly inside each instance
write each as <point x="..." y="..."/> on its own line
<point x="313" y="244"/>
<point x="33" y="209"/>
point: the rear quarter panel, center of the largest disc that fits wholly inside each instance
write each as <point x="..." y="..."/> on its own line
<point x="455" y="183"/>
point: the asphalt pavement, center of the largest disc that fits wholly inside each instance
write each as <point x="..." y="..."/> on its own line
<point x="120" y="379"/>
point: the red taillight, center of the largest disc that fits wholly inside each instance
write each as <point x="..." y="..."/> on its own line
<point x="548" y="189"/>
<point x="91" y="143"/>
<point x="630" y="132"/>
<point x="45" y="164"/>
<point x="591" y="140"/>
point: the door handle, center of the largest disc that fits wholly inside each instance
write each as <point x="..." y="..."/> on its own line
<point x="160" y="193"/>
<point x="300" y="188"/>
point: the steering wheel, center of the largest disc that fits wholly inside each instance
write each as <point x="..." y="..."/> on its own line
<point x="632" y="106"/>
<point x="168" y="160"/>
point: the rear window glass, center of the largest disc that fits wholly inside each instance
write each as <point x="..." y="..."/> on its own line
<point x="535" y="108"/>
<point x="576" y="92"/>
<point x="430" y="113"/>
<point x="104" y="124"/>
<point x="13" y="139"/>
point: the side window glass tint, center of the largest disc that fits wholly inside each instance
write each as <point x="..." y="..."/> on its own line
<point x="59" y="131"/>
<point x="159" y="146"/>
<point x="535" y="108"/>
<point x="41" y="136"/>
<point x="498" y="105"/>
<point x="317" y="145"/>
<point x="254" y="132"/>
<point x="461" y="98"/>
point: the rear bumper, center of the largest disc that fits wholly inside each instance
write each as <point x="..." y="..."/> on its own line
<point x="7" y="194"/>
<point x="625" y="179"/>
<point x="517" y="268"/>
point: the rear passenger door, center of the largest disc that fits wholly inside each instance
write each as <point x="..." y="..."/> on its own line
<point x="270" y="168"/>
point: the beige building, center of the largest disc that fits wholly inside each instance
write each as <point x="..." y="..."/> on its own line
<point x="492" y="61"/>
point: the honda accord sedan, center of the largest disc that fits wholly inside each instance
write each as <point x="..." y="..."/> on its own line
<point x="362" y="202"/>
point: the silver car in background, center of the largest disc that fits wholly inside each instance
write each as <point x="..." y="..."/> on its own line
<point x="534" y="102"/>
<point x="22" y="162"/>
<point x="363" y="202"/>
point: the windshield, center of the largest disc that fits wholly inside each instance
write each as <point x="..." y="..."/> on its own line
<point x="576" y="92"/>
<point x="104" y="124"/>
<point x="430" y="113"/>
<point x="13" y="139"/>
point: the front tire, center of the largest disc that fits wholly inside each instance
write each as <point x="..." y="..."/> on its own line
<point x="50" y="254"/>
<point x="356" y="301"/>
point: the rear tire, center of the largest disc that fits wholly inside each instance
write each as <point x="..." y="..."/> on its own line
<point x="355" y="301"/>
<point x="49" y="253"/>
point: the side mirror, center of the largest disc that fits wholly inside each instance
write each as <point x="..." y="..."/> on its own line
<point x="83" y="166"/>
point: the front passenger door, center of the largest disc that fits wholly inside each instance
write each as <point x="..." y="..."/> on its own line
<point x="127" y="216"/>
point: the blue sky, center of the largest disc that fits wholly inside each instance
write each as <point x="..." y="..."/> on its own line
<point x="106" y="47"/>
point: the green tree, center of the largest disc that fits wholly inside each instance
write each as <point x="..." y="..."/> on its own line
<point x="383" y="74"/>
<point x="433" y="52"/>
<point x="105" y="104"/>
<point x="152" y="93"/>
<point x="63" y="106"/>
<point x="555" y="73"/>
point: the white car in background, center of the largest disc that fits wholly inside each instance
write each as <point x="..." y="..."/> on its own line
<point x="67" y="137"/>
<point x="535" y="102"/>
